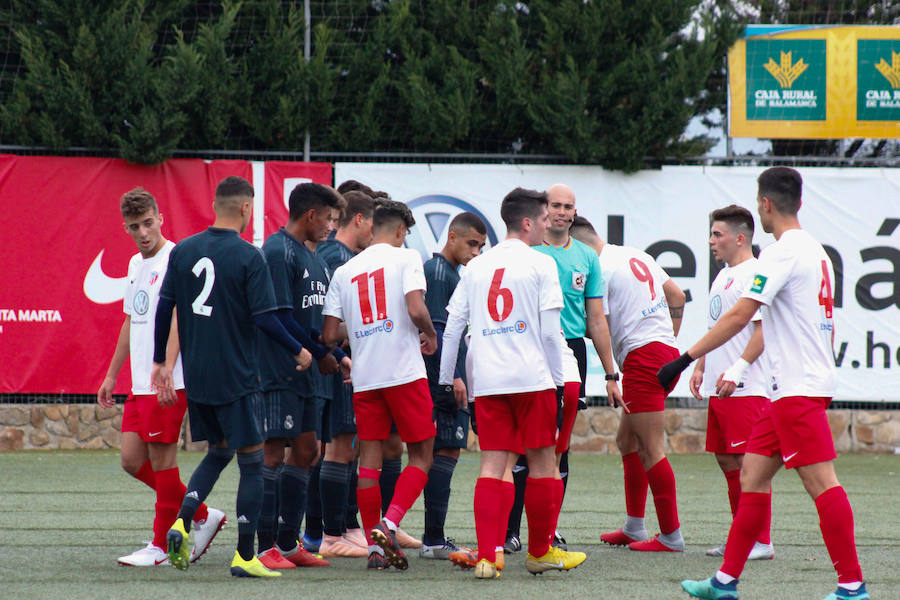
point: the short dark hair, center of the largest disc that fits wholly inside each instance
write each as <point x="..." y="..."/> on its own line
<point x="353" y="185"/>
<point x="783" y="186"/>
<point x="136" y="202"/>
<point x="311" y="196"/>
<point x="358" y="203"/>
<point x="736" y="217"/>
<point x="521" y="204"/>
<point x="583" y="224"/>
<point x="466" y="220"/>
<point x="233" y="186"/>
<point x="388" y="213"/>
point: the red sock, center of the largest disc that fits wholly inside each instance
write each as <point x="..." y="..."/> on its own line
<point x="145" y="474"/>
<point x="734" y="489"/>
<point x="507" y="498"/>
<point x="745" y="530"/>
<point x="368" y="499"/>
<point x="635" y="485"/>
<point x="540" y="508"/>
<point x="169" y="493"/>
<point x="765" y="536"/>
<point x="662" y="483"/>
<point x="836" y="523"/>
<point x="409" y="487"/>
<point x="488" y="506"/>
<point x="558" y="492"/>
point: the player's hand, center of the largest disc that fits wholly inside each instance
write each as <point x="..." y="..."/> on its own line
<point x="460" y="393"/>
<point x="444" y="400"/>
<point x="428" y="343"/>
<point x="724" y="388"/>
<point x="161" y="382"/>
<point x="346" y="367"/>
<point x="695" y="382"/>
<point x="672" y="369"/>
<point x="304" y="360"/>
<point x="328" y="364"/>
<point x="614" y="396"/>
<point x="104" y="394"/>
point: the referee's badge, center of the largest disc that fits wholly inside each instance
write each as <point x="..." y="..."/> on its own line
<point x="578" y="280"/>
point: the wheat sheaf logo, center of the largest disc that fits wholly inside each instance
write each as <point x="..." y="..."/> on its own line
<point x="788" y="71"/>
<point x="891" y="71"/>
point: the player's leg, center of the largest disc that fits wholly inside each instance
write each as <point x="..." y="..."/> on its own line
<point x="571" y="393"/>
<point x="452" y="435"/>
<point x="136" y="462"/>
<point x="512" y="540"/>
<point x="334" y="485"/>
<point x="635" y="489"/>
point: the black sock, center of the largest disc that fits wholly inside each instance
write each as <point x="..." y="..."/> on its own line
<point x="520" y="476"/>
<point x="437" y="498"/>
<point x="202" y="481"/>
<point x="265" y="532"/>
<point x="294" y="488"/>
<point x="564" y="470"/>
<point x="390" y="472"/>
<point x="249" y="500"/>
<point x="350" y="520"/>
<point x="314" y="503"/>
<point x="333" y="487"/>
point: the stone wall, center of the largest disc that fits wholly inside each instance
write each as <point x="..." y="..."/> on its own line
<point x="71" y="426"/>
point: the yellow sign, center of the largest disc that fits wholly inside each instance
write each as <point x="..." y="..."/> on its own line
<point x="826" y="82"/>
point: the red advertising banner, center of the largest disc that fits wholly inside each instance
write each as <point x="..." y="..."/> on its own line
<point x="281" y="178"/>
<point x="64" y="256"/>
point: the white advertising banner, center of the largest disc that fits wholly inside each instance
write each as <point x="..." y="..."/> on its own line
<point x="855" y="213"/>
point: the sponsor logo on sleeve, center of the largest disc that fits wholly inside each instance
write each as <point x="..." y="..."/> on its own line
<point x="759" y="283"/>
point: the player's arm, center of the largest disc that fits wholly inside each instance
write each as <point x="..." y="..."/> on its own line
<point x="418" y="312"/>
<point x="104" y="394"/>
<point x="331" y="331"/>
<point x="453" y="332"/>
<point x="729" y="380"/>
<point x="552" y="343"/>
<point x="697" y="377"/>
<point x="675" y="298"/>
<point x="161" y="375"/>
<point x="271" y="325"/>
<point x="598" y="331"/>
<point x="172" y="349"/>
<point x="725" y="328"/>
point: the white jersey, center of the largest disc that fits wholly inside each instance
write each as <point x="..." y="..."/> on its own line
<point x="501" y="294"/>
<point x="635" y="304"/>
<point x="368" y="293"/>
<point x="571" y="374"/>
<point x="725" y="291"/>
<point x="794" y="280"/>
<point x="145" y="277"/>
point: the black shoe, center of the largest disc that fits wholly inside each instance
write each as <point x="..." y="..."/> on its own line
<point x="513" y="544"/>
<point x="559" y="541"/>
<point x="387" y="539"/>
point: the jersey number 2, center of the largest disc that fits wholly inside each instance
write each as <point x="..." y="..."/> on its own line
<point x="365" y="305"/>
<point x="199" y="305"/>
<point x="496" y="294"/>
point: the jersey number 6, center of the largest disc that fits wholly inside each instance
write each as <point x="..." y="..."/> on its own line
<point x="495" y="294"/>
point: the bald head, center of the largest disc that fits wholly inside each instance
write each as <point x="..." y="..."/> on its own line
<point x="561" y="209"/>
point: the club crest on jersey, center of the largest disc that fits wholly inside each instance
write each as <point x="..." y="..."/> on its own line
<point x="153" y="277"/>
<point x="728" y="282"/>
<point x="141" y="302"/>
<point x="715" y="307"/>
<point x="759" y="282"/>
<point x="578" y="280"/>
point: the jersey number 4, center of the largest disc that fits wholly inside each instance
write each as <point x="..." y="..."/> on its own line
<point x="496" y="295"/>
<point x="365" y="304"/>
<point x="199" y="305"/>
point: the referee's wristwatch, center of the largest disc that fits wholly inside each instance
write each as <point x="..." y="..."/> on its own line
<point x="612" y="376"/>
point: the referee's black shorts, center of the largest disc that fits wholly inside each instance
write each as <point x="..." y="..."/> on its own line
<point x="579" y="349"/>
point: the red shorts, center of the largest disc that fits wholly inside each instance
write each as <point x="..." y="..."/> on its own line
<point x="730" y="421"/>
<point x="641" y="391"/>
<point x="143" y="415"/>
<point x="409" y="406"/>
<point x="571" y="393"/>
<point x="796" y="429"/>
<point x="514" y="422"/>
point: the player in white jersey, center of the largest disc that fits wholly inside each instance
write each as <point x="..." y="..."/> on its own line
<point x="149" y="431"/>
<point x="511" y="297"/>
<point x="644" y="308"/>
<point x="732" y="376"/>
<point x="793" y="285"/>
<point x="379" y="295"/>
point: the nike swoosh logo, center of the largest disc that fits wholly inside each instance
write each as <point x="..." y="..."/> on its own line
<point x="789" y="457"/>
<point x="736" y="444"/>
<point x="159" y="562"/>
<point x="558" y="565"/>
<point x="99" y="287"/>
<point x="154" y="434"/>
